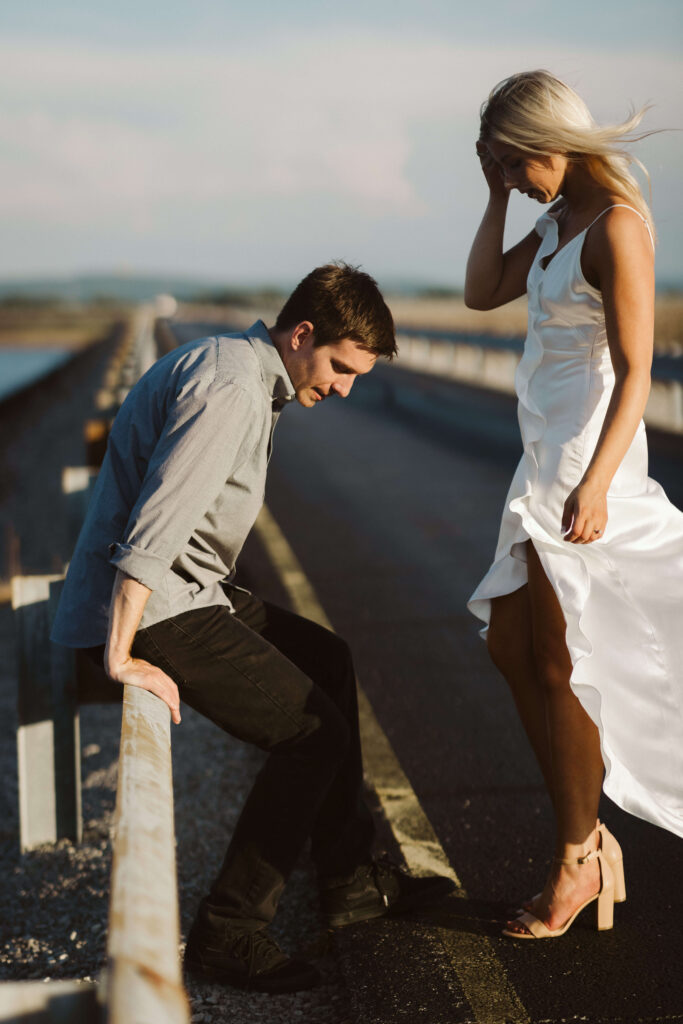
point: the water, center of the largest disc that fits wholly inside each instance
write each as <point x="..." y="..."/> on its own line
<point x="21" y="366"/>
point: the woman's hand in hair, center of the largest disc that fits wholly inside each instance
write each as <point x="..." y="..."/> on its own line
<point x="492" y="172"/>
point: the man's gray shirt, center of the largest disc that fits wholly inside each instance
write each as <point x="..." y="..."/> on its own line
<point x="181" y="484"/>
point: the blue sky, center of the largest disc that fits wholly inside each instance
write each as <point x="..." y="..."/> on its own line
<point x="245" y="143"/>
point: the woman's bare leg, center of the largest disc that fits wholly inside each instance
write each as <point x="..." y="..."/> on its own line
<point x="510" y="645"/>
<point x="577" y="768"/>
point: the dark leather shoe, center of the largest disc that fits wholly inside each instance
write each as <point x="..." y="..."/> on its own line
<point x="378" y="889"/>
<point x="249" y="960"/>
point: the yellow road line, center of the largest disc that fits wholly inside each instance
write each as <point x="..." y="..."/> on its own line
<point x="483" y="978"/>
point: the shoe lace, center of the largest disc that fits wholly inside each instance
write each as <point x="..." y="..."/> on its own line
<point x="385" y="875"/>
<point x="258" y="950"/>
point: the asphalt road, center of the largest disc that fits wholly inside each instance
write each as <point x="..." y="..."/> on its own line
<point x="391" y="501"/>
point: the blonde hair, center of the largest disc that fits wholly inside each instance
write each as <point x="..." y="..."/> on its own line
<point x="537" y="113"/>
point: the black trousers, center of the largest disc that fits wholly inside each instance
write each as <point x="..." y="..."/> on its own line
<point x="287" y="685"/>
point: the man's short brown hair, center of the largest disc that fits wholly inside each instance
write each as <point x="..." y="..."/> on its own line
<point x="341" y="302"/>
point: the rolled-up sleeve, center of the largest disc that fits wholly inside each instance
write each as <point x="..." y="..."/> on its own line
<point x="208" y="432"/>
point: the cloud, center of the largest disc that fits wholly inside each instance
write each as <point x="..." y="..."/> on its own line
<point x="151" y="128"/>
<point x="111" y="140"/>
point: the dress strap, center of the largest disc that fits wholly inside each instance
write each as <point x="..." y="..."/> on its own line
<point x="624" y="206"/>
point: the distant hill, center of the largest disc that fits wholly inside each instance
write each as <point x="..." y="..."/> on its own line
<point x="91" y="287"/>
<point x="132" y="288"/>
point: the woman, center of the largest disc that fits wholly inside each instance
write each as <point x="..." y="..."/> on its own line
<point x="582" y="601"/>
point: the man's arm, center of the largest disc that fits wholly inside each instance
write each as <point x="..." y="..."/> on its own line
<point x="209" y="430"/>
<point x="127" y="605"/>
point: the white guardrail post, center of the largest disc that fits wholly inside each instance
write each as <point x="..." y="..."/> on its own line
<point x="57" y="1002"/>
<point x="48" y="734"/>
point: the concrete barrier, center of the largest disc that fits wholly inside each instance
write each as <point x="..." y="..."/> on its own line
<point x="665" y="406"/>
<point x="495" y="368"/>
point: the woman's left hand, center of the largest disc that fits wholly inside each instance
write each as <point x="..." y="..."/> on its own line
<point x="584" y="517"/>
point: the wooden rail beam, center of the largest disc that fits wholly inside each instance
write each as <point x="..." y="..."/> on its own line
<point x="143" y="979"/>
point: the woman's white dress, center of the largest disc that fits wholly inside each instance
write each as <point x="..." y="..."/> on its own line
<point x="622" y="595"/>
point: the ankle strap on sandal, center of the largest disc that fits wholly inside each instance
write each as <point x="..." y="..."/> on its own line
<point x="578" y="860"/>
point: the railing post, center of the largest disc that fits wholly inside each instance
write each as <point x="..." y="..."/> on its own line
<point x="48" y="736"/>
<point x="95" y="436"/>
<point x="77" y="487"/>
<point x="58" y="1002"/>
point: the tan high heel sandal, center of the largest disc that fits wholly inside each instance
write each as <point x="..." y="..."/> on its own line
<point x="604" y="910"/>
<point x="614" y="857"/>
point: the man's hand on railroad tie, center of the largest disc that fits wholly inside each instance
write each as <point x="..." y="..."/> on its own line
<point x="137" y="672"/>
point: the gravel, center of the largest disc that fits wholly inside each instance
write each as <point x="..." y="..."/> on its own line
<point x="54" y="900"/>
<point x="217" y="772"/>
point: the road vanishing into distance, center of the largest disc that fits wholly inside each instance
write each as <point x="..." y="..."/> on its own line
<point x="391" y="500"/>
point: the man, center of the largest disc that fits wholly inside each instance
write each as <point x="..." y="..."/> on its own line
<point x="148" y="594"/>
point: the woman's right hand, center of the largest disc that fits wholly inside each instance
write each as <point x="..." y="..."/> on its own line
<point x="495" y="276"/>
<point x="491" y="170"/>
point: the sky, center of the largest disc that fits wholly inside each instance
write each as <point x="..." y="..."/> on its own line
<point x="247" y="143"/>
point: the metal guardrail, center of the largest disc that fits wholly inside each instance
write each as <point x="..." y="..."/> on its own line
<point x="142" y="981"/>
<point x="494" y="367"/>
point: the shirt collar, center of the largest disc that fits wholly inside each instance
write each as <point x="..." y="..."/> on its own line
<point x="273" y="372"/>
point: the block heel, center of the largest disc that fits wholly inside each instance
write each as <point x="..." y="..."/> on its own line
<point x="614" y="857"/>
<point x="604" y="898"/>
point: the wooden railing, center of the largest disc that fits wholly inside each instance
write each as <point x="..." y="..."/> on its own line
<point x="142" y="981"/>
<point x="143" y="974"/>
